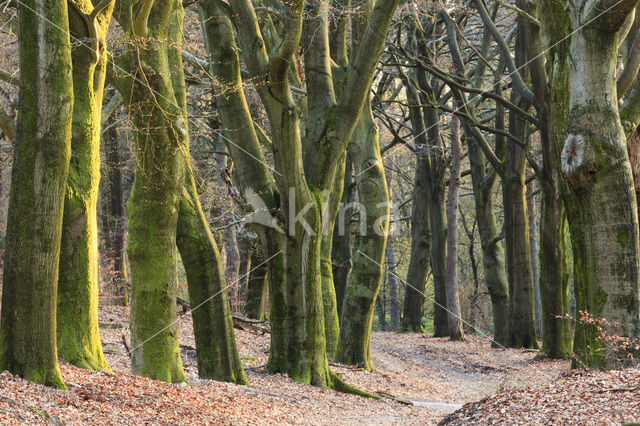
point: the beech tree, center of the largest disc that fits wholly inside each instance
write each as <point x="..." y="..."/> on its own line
<point x="306" y="170"/>
<point x="164" y="210"/>
<point x="596" y="166"/>
<point x="77" y="317"/>
<point x="38" y="186"/>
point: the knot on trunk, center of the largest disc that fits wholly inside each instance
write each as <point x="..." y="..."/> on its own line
<point x="577" y="159"/>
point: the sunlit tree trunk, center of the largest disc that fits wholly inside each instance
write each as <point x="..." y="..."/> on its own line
<point x="77" y="320"/>
<point x="164" y="209"/>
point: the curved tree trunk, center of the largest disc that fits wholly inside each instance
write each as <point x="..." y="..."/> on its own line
<point x="493" y="261"/>
<point x="77" y="318"/>
<point x="354" y="346"/>
<point x="38" y="185"/>
<point x="216" y="351"/>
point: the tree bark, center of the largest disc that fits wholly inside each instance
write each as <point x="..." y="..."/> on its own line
<point x="354" y="346"/>
<point x="516" y="224"/>
<point x="596" y="165"/>
<point x="551" y="89"/>
<point x="341" y="251"/>
<point x="216" y="348"/>
<point x="77" y="317"/>
<point x="454" y="314"/>
<point x="420" y="229"/>
<point x="164" y="209"/>
<point x="257" y="285"/>
<point x="113" y="223"/>
<point x="38" y="184"/>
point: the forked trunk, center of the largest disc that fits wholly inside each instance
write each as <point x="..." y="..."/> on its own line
<point x="77" y="318"/>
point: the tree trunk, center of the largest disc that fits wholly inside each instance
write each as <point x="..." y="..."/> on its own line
<point x="516" y="225"/>
<point x="153" y="205"/>
<point x="435" y="199"/>
<point x="414" y="295"/>
<point x="341" y="252"/>
<point x="596" y="165"/>
<point x="77" y="318"/>
<point x="492" y="254"/>
<point x="454" y="314"/>
<point x="231" y="257"/>
<point x="254" y="180"/>
<point x="390" y="263"/>
<point x="163" y="206"/>
<point x="438" y="258"/>
<point x="554" y="277"/>
<point x="533" y="248"/>
<point x="216" y="351"/>
<point x="331" y="318"/>
<point x="354" y="346"/>
<point x="551" y="90"/>
<point x="38" y="185"/>
<point x="392" y="286"/>
<point x="113" y="223"/>
<point x="257" y="285"/>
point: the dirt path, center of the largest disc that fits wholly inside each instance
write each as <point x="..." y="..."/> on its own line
<point x="435" y="375"/>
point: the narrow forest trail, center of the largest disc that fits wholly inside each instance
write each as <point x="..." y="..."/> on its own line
<point x="436" y="375"/>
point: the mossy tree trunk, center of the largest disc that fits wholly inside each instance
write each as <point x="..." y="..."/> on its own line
<point x="298" y="345"/>
<point x="356" y="318"/>
<point x="596" y="166"/>
<point x="305" y="189"/>
<point x="77" y="321"/>
<point x="216" y="348"/>
<point x="341" y="252"/>
<point x="164" y="209"/>
<point x="153" y="204"/>
<point x="329" y="299"/>
<point x="254" y="180"/>
<point x="551" y="89"/>
<point x="38" y="185"/>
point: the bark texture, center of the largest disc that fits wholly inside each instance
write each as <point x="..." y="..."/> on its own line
<point x="77" y="318"/>
<point x="596" y="165"/>
<point x="38" y="184"/>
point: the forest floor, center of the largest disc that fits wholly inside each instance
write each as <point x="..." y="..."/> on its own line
<point x="421" y="380"/>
